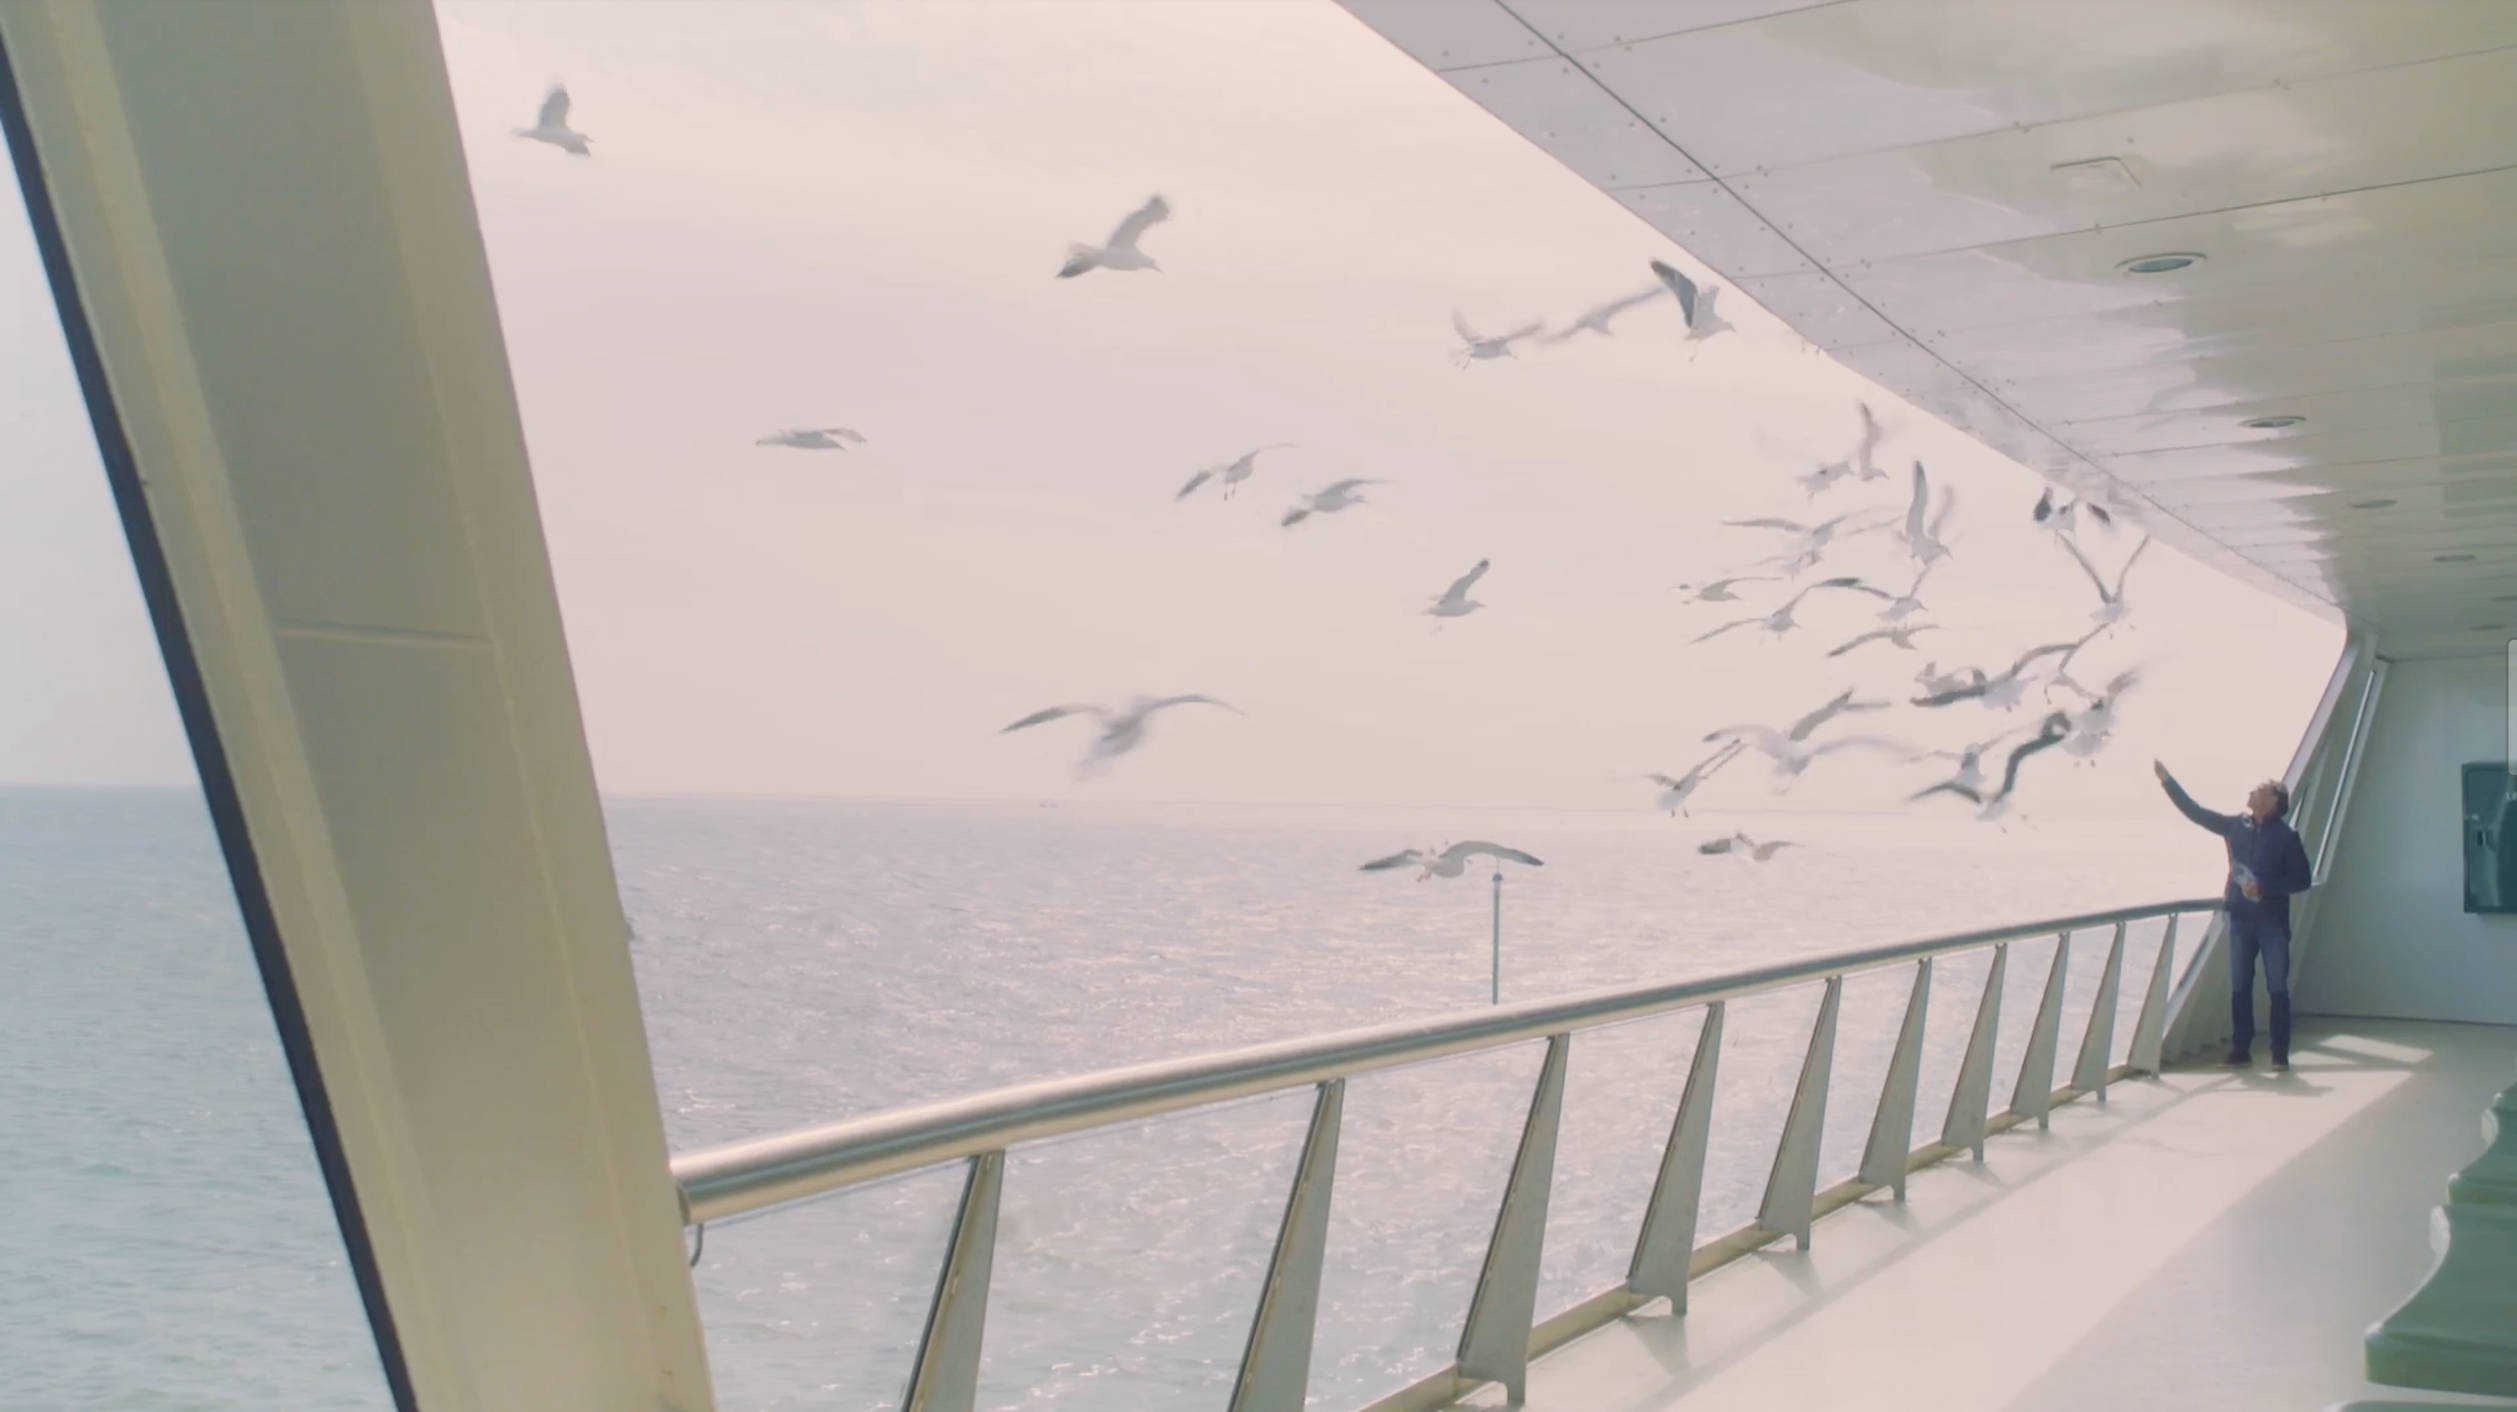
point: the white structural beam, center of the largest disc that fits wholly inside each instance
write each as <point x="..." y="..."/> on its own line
<point x="257" y="217"/>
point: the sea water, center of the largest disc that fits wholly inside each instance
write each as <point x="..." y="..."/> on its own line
<point x="168" y="1243"/>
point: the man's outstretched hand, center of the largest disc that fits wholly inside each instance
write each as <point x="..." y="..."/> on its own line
<point x="2160" y="770"/>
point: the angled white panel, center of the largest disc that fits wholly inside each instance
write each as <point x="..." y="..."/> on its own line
<point x="1711" y="224"/>
<point x="1556" y="105"/>
<point x="1450" y="34"/>
<point x="1575" y="25"/>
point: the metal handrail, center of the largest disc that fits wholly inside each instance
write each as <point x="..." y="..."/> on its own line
<point x="741" y="1177"/>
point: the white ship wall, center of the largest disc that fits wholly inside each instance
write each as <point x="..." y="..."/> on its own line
<point x="2392" y="937"/>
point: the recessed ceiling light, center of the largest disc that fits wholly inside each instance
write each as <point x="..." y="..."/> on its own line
<point x="2160" y="263"/>
<point x="2278" y="423"/>
<point x="2378" y="504"/>
<point x="2451" y="558"/>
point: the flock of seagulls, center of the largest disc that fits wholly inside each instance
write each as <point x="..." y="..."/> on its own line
<point x="1921" y="528"/>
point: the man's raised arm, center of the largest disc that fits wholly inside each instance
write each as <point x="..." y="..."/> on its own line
<point x="2222" y="824"/>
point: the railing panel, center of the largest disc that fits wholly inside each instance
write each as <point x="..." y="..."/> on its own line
<point x="1764" y="1039"/>
<point x="1494" y="1344"/>
<point x="1665" y="1239"/>
<point x="2033" y="1092"/>
<point x="945" y="1377"/>
<point x="2031" y="961"/>
<point x="2141" y="958"/>
<point x="2097" y="1037"/>
<point x="1891" y="1136"/>
<point x="1275" y="1373"/>
<point x="1421" y="1168"/>
<point x="2150" y="1026"/>
<point x="1619" y="1100"/>
<point x="1793" y="1180"/>
<point x="1970" y="1101"/>
<point x="1867" y="1028"/>
<point x="1957" y="985"/>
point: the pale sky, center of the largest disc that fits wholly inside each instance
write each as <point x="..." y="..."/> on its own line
<point x="849" y="214"/>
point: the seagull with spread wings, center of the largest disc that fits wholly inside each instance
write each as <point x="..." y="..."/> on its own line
<point x="1792" y="750"/>
<point x="2110" y="600"/>
<point x="2005" y="690"/>
<point x="1450" y="861"/>
<point x="1865" y="461"/>
<point x="1327" y="500"/>
<point x="1740" y="845"/>
<point x="1475" y="347"/>
<point x="1597" y="320"/>
<point x="2055" y="729"/>
<point x="1924" y="541"/>
<point x="1120" y="252"/>
<point x="551" y="125"/>
<point x="1781" y="621"/>
<point x="1122" y="728"/>
<point x="1719" y="590"/>
<point x="1674" y="792"/>
<point x="1814" y="538"/>
<point x="2060" y="517"/>
<point x="1230" y="473"/>
<point x="1899" y="636"/>
<point x="1695" y="302"/>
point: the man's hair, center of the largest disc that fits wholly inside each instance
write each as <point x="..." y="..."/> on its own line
<point x="2280" y="798"/>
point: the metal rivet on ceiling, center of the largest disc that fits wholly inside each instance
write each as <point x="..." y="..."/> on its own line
<point x="2378" y="504"/>
<point x="2275" y="423"/>
<point x="2451" y="558"/>
<point x="2161" y="263"/>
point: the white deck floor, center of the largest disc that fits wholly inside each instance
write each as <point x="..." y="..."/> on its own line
<point x="2207" y="1240"/>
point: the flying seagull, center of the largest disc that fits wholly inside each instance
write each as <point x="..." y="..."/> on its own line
<point x="1792" y="750"/>
<point x="1781" y="621"/>
<point x="1740" y="845"/>
<point x="1816" y="481"/>
<point x="1478" y="347"/>
<point x="2110" y="600"/>
<point x="1673" y="796"/>
<point x="1122" y="729"/>
<point x="2059" y="517"/>
<point x="812" y="438"/>
<point x="2052" y="732"/>
<point x="1718" y="591"/>
<point x="551" y="124"/>
<point x="1449" y="862"/>
<point x="1121" y="253"/>
<point x="1813" y="538"/>
<point x="1969" y="779"/>
<point x="1328" y="500"/>
<point x="1455" y="602"/>
<point x="1935" y="682"/>
<point x="2003" y="691"/>
<point x="1910" y="602"/>
<point x="1695" y="303"/>
<point x="1901" y="636"/>
<point x="1865" y="450"/>
<point x="2094" y="723"/>
<point x="1921" y="540"/>
<point x="1598" y="319"/>
<point x="1231" y="472"/>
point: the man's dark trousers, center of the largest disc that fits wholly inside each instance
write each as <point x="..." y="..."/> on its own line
<point x="2250" y="937"/>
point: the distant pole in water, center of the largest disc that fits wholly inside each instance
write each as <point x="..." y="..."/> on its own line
<point x="1497" y="996"/>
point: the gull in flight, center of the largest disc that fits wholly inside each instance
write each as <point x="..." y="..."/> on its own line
<point x="1455" y="602"/>
<point x="2055" y="729"/>
<point x="1477" y="347"/>
<point x="1674" y="792"/>
<point x="1816" y="482"/>
<point x="1910" y="602"/>
<point x="1901" y="636"/>
<point x="1969" y="779"/>
<point x="1740" y="845"/>
<point x="1328" y="500"/>
<point x="1780" y="621"/>
<point x="1792" y="750"/>
<point x="1921" y="540"/>
<point x="1865" y="450"/>
<point x="1231" y="472"/>
<point x="1451" y="861"/>
<point x="2060" y="517"/>
<point x="1121" y="252"/>
<point x="1122" y="730"/>
<point x="2110" y="600"/>
<point x="2005" y="690"/>
<point x="1597" y="320"/>
<point x="1813" y="538"/>
<point x="812" y="438"/>
<point x="1695" y="303"/>
<point x="1934" y="682"/>
<point x="1718" y="591"/>
<point x="2094" y="723"/>
<point x="551" y="124"/>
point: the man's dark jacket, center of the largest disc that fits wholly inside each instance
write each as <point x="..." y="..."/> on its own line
<point x="2271" y="850"/>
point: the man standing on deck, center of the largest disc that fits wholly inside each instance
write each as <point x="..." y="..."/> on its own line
<point x="2266" y="864"/>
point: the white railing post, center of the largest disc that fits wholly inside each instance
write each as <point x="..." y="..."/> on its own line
<point x="2033" y="1095"/>
<point x="1494" y="1344"/>
<point x="1664" y="1251"/>
<point x="1891" y="1146"/>
<point x="2097" y="1043"/>
<point x="1970" y="1102"/>
<point x="1792" y="1187"/>
<point x="2151" y="1027"/>
<point x="946" y="1375"/>
<point x="1276" y="1364"/>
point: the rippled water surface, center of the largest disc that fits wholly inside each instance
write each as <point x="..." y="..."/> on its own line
<point x="170" y="1246"/>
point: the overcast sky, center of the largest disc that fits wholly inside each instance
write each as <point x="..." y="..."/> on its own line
<point x="828" y="214"/>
